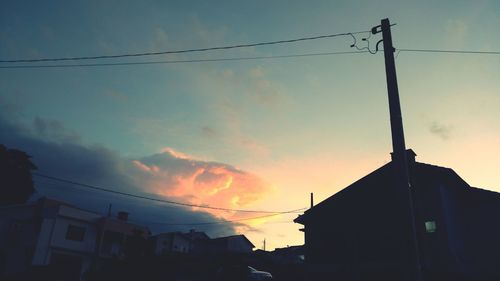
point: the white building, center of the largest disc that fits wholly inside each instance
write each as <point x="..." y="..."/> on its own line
<point x="47" y="233"/>
<point x="172" y="242"/>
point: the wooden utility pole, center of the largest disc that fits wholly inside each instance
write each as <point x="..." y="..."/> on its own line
<point x="400" y="161"/>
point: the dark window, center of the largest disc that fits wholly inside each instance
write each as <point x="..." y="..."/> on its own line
<point x="75" y="233"/>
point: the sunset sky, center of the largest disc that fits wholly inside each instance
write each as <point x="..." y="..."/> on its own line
<point x="253" y="134"/>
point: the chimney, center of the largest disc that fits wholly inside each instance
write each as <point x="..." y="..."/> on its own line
<point x="123" y="216"/>
<point x="410" y="156"/>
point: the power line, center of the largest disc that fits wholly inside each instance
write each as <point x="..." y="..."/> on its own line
<point x="182" y="51"/>
<point x="220" y="222"/>
<point x="450" y="51"/>
<point x="240" y="58"/>
<point x="182" y="61"/>
<point x="196" y="223"/>
<point x="157" y="199"/>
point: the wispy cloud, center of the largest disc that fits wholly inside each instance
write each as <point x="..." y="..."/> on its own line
<point x="266" y="91"/>
<point x="440" y="130"/>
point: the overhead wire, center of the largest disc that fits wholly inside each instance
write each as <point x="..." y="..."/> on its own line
<point x="199" y="223"/>
<point x="363" y="50"/>
<point x="450" y="51"/>
<point x="222" y="221"/>
<point x="158" y="199"/>
<point x="367" y="47"/>
<point x="181" y="51"/>
<point x="195" y="223"/>
<point x="181" y="61"/>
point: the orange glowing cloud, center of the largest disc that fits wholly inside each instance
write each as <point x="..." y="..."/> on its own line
<point x="178" y="175"/>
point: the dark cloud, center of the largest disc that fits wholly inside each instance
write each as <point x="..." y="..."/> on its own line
<point x="440" y="130"/>
<point x="54" y="130"/>
<point x="58" y="152"/>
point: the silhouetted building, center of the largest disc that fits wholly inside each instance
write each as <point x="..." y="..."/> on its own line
<point x="47" y="233"/>
<point x="119" y="238"/>
<point x="363" y="232"/>
<point x="199" y="241"/>
<point x="171" y="242"/>
<point x="231" y="244"/>
<point x="289" y="255"/>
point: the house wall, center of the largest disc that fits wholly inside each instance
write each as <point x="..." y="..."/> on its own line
<point x="441" y="197"/>
<point x="59" y="239"/>
<point x="121" y="238"/>
<point x="238" y="244"/>
<point x="170" y="242"/>
<point x="29" y="236"/>
<point x="42" y="254"/>
<point x="55" y="248"/>
<point x="18" y="232"/>
<point x="362" y="233"/>
<point x="180" y="244"/>
<point x="111" y="244"/>
<point x="482" y="235"/>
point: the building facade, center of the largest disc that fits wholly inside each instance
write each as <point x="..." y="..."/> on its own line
<point x="48" y="233"/>
<point x="364" y="232"/>
<point x="172" y="242"/>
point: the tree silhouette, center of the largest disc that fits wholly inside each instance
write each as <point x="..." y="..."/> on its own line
<point x="16" y="185"/>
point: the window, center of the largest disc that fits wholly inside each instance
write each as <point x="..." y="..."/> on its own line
<point x="75" y="233"/>
<point x="430" y="226"/>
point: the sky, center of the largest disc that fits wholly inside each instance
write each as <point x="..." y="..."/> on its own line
<point x="253" y="134"/>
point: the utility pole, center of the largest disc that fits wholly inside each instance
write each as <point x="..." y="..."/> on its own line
<point x="264" y="244"/>
<point x="400" y="161"/>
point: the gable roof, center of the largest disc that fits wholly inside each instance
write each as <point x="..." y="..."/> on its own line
<point x="240" y="236"/>
<point x="422" y="175"/>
